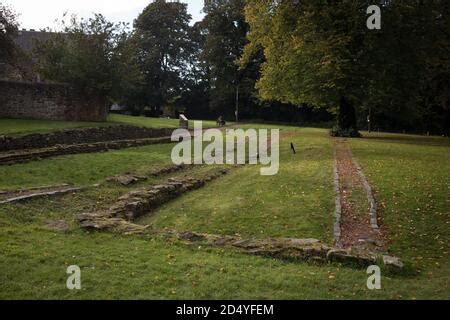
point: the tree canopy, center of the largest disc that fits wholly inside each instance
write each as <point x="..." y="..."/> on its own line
<point x="92" y="55"/>
<point x="162" y="33"/>
<point x="321" y="52"/>
<point x="8" y="30"/>
<point x="278" y="60"/>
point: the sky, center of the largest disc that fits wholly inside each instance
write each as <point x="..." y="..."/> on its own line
<point x="38" y="14"/>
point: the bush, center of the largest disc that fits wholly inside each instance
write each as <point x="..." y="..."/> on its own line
<point x="349" y="133"/>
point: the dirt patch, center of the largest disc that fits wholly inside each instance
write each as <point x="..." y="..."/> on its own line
<point x="355" y="223"/>
<point x="57" y="225"/>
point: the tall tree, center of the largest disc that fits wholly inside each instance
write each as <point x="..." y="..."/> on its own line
<point x="163" y="35"/>
<point x="194" y="99"/>
<point x="321" y="53"/>
<point x="225" y="29"/>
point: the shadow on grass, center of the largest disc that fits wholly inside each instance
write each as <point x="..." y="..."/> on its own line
<point x="409" y="139"/>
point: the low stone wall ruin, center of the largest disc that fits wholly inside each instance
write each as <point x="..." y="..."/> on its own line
<point x="142" y="201"/>
<point x="79" y="136"/>
<point x="19" y="156"/>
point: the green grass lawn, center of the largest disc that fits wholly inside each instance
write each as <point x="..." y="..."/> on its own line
<point x="153" y="122"/>
<point x="297" y="202"/>
<point x="22" y="126"/>
<point x="84" y="169"/>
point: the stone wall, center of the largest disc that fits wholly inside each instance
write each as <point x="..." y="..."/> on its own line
<point x="80" y="136"/>
<point x="48" y="101"/>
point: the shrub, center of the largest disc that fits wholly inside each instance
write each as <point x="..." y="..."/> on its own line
<point x="349" y="133"/>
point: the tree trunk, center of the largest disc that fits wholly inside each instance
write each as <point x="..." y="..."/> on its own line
<point x="346" y="120"/>
<point x="346" y="115"/>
